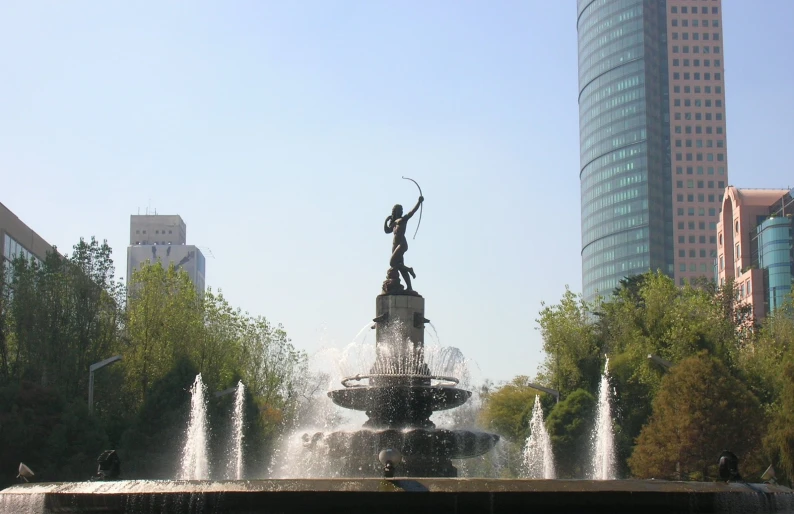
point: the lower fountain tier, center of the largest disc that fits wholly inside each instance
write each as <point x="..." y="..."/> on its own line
<point x="400" y="406"/>
<point x="425" y="452"/>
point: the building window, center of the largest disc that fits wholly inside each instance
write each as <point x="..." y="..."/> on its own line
<point x="736" y="227"/>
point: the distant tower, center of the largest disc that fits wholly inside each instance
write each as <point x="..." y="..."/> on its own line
<point x="157" y="237"/>
<point x="653" y="152"/>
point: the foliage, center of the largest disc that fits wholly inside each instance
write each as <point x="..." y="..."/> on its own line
<point x="700" y="410"/>
<point x="573" y="352"/>
<point x="508" y="409"/>
<point x="60" y="316"/>
<point x="779" y="440"/>
<point x="56" y="438"/>
<point x="569" y="425"/>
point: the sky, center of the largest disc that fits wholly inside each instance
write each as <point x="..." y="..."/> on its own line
<point x="280" y="131"/>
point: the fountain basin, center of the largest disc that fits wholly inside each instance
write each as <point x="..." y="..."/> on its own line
<point x="450" y="444"/>
<point x="434" y="495"/>
<point x="400" y="397"/>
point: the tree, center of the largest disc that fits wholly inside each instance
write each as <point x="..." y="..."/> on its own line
<point x="569" y="424"/>
<point x="699" y="411"/>
<point x="164" y="319"/>
<point x="779" y="441"/>
<point x="573" y="352"/>
<point x="507" y="410"/>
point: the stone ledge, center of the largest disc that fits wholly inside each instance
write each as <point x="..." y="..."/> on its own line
<point x="372" y="495"/>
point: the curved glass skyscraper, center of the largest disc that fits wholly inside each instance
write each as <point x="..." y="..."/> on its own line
<point x="629" y="197"/>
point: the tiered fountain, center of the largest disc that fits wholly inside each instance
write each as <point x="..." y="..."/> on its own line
<point x="400" y="393"/>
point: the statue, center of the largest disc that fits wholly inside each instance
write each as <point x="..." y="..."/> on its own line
<point x="396" y="224"/>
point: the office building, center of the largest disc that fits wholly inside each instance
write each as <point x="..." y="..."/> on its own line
<point x="754" y="241"/>
<point x="19" y="240"/>
<point x="653" y="149"/>
<point x="163" y="238"/>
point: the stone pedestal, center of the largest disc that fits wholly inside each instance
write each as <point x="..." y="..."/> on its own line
<point x="400" y="339"/>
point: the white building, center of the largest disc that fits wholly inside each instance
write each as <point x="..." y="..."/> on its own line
<point x="163" y="238"/>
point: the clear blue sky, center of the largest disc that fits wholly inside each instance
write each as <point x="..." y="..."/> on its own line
<point x="280" y="130"/>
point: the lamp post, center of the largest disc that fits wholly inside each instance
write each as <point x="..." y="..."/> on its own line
<point x="661" y="362"/>
<point x="552" y="392"/>
<point x="91" y="370"/>
<point x="225" y="392"/>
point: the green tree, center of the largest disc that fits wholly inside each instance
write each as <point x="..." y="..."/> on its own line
<point x="699" y="411"/>
<point x="55" y="437"/>
<point x="569" y="424"/>
<point x="164" y="319"/>
<point x="507" y="409"/>
<point x="573" y="350"/>
<point x="779" y="440"/>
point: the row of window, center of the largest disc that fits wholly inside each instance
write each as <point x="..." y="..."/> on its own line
<point x="699" y="157"/>
<point x="690" y="198"/>
<point x="156" y="232"/>
<point x="695" y="49"/>
<point x="12" y="249"/>
<point x="686" y="10"/>
<point x="679" y="170"/>
<point x="697" y="239"/>
<point x="690" y="211"/>
<point x="698" y="129"/>
<point x="696" y="76"/>
<point x="699" y="143"/>
<point x="695" y="23"/>
<point x="693" y="267"/>
<point x="698" y="116"/>
<point x="697" y="89"/>
<point x="690" y="184"/>
<point x="693" y="253"/>
<point x="697" y="35"/>
<point x="690" y="225"/>
<point x="697" y="102"/>
<point x="697" y="62"/>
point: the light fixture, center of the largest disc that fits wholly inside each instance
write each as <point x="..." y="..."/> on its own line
<point x="389" y="458"/>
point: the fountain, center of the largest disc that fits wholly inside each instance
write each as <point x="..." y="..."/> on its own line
<point x="195" y="463"/>
<point x="398" y="394"/>
<point x="538" y="456"/>
<point x="238" y="419"/>
<point x="603" y="438"/>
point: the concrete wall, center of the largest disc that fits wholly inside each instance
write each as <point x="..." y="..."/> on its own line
<point x="186" y="257"/>
<point x="157" y="228"/>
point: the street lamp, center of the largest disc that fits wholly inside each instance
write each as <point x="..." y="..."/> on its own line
<point x="552" y="392"/>
<point x="91" y="369"/>
<point x="225" y="392"/>
<point x="661" y="362"/>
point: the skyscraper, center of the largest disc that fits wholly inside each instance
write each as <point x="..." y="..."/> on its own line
<point x="652" y="138"/>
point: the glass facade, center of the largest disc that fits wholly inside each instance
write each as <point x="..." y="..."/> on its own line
<point x="12" y="250"/>
<point x="776" y="258"/>
<point x="624" y="142"/>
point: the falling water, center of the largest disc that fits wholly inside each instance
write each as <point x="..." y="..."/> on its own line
<point x="237" y="431"/>
<point x="603" y="438"/>
<point x="195" y="465"/>
<point x="538" y="457"/>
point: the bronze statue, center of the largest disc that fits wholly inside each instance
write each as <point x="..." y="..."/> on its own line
<point x="396" y="224"/>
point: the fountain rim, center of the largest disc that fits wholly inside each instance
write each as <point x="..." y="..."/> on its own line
<point x="444" y="381"/>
